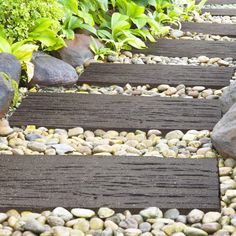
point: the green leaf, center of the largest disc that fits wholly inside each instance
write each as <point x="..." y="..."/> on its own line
<point x="4" y="45"/>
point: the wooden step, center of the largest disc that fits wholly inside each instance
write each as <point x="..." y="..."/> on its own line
<point x="118" y="112"/>
<point x="44" y="182"/>
<point x="210" y="28"/>
<point x="154" y="75"/>
<point x="220" y="12"/>
<point x="189" y="48"/>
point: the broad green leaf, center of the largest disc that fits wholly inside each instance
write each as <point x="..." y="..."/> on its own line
<point x="4" y="45"/>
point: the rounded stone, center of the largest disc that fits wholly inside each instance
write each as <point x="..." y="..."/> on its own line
<point x="55" y="221"/>
<point x="82" y="224"/>
<point x="195" y="216"/>
<point x="83" y="213"/>
<point x="145" y="227"/>
<point x="151" y="212"/>
<point x="62" y="213"/>
<point x="96" y="223"/>
<point x="210" y="217"/>
<point x="105" y="212"/>
<point x="61" y="231"/>
<point x="172" y="214"/>
<point x="132" y="232"/>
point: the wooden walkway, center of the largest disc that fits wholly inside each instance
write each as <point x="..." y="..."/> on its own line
<point x="190" y="48"/>
<point x="116" y="112"/>
<point x="220" y="12"/>
<point x="210" y="28"/>
<point x="42" y="183"/>
<point x="45" y="182"/>
<point x="154" y="75"/>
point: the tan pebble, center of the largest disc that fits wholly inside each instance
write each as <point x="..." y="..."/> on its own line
<point x="61" y="231"/>
<point x="28" y="233"/>
<point x="82" y="225"/>
<point x="12" y="220"/>
<point x="76" y="232"/>
<point x="13" y="212"/>
<point x="17" y="233"/>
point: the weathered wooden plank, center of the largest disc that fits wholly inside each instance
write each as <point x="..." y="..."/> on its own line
<point x="39" y="183"/>
<point x="220" y="12"/>
<point x="116" y="112"/>
<point x="190" y="48"/>
<point x="154" y="75"/>
<point x="210" y="28"/>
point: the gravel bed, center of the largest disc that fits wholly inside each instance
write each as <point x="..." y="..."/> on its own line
<point x="179" y="34"/>
<point x="149" y="222"/>
<point x="128" y="58"/>
<point x="208" y="18"/>
<point x="76" y="141"/>
<point x="163" y="90"/>
<point x="219" y="6"/>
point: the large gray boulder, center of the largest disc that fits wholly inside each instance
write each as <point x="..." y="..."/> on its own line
<point x="10" y="66"/>
<point x="229" y="97"/>
<point x="224" y="134"/>
<point x="50" y="71"/>
<point x="6" y="95"/>
<point x="77" y="51"/>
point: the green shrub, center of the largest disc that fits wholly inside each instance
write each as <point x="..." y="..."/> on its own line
<point x="18" y="17"/>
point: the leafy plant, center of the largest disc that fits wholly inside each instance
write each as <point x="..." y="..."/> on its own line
<point x="18" y="17"/>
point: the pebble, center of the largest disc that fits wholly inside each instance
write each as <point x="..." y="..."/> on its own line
<point x="105" y="212"/>
<point x="36" y="146"/>
<point x="75" y="131"/>
<point x="84" y="213"/>
<point x="132" y="232"/>
<point x="151" y="212"/>
<point x="62" y="213"/>
<point x="55" y="221"/>
<point x="61" y="231"/>
<point x="82" y="224"/>
<point x="172" y="214"/>
<point x="210" y="217"/>
<point x="5" y="128"/>
<point x="34" y="226"/>
<point x="62" y="149"/>
<point x="195" y="216"/>
<point x="96" y="223"/>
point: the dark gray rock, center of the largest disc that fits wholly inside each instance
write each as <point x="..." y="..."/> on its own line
<point x="229" y="97"/>
<point x="78" y="50"/>
<point x="224" y="134"/>
<point x="50" y="71"/>
<point x="10" y="66"/>
<point x="6" y="95"/>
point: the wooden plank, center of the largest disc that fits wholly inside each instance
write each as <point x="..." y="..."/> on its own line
<point x="42" y="183"/>
<point x="210" y="28"/>
<point x="220" y="12"/>
<point x="119" y="112"/>
<point x="154" y="75"/>
<point x="190" y="48"/>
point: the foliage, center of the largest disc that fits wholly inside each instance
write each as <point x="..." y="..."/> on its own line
<point x="18" y="17"/>
<point x="121" y="24"/>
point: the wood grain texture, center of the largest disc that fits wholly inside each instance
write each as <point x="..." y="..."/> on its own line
<point x="210" y="28"/>
<point x="220" y="12"/>
<point x="39" y="183"/>
<point x="116" y="112"/>
<point x="154" y="75"/>
<point x="190" y="48"/>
